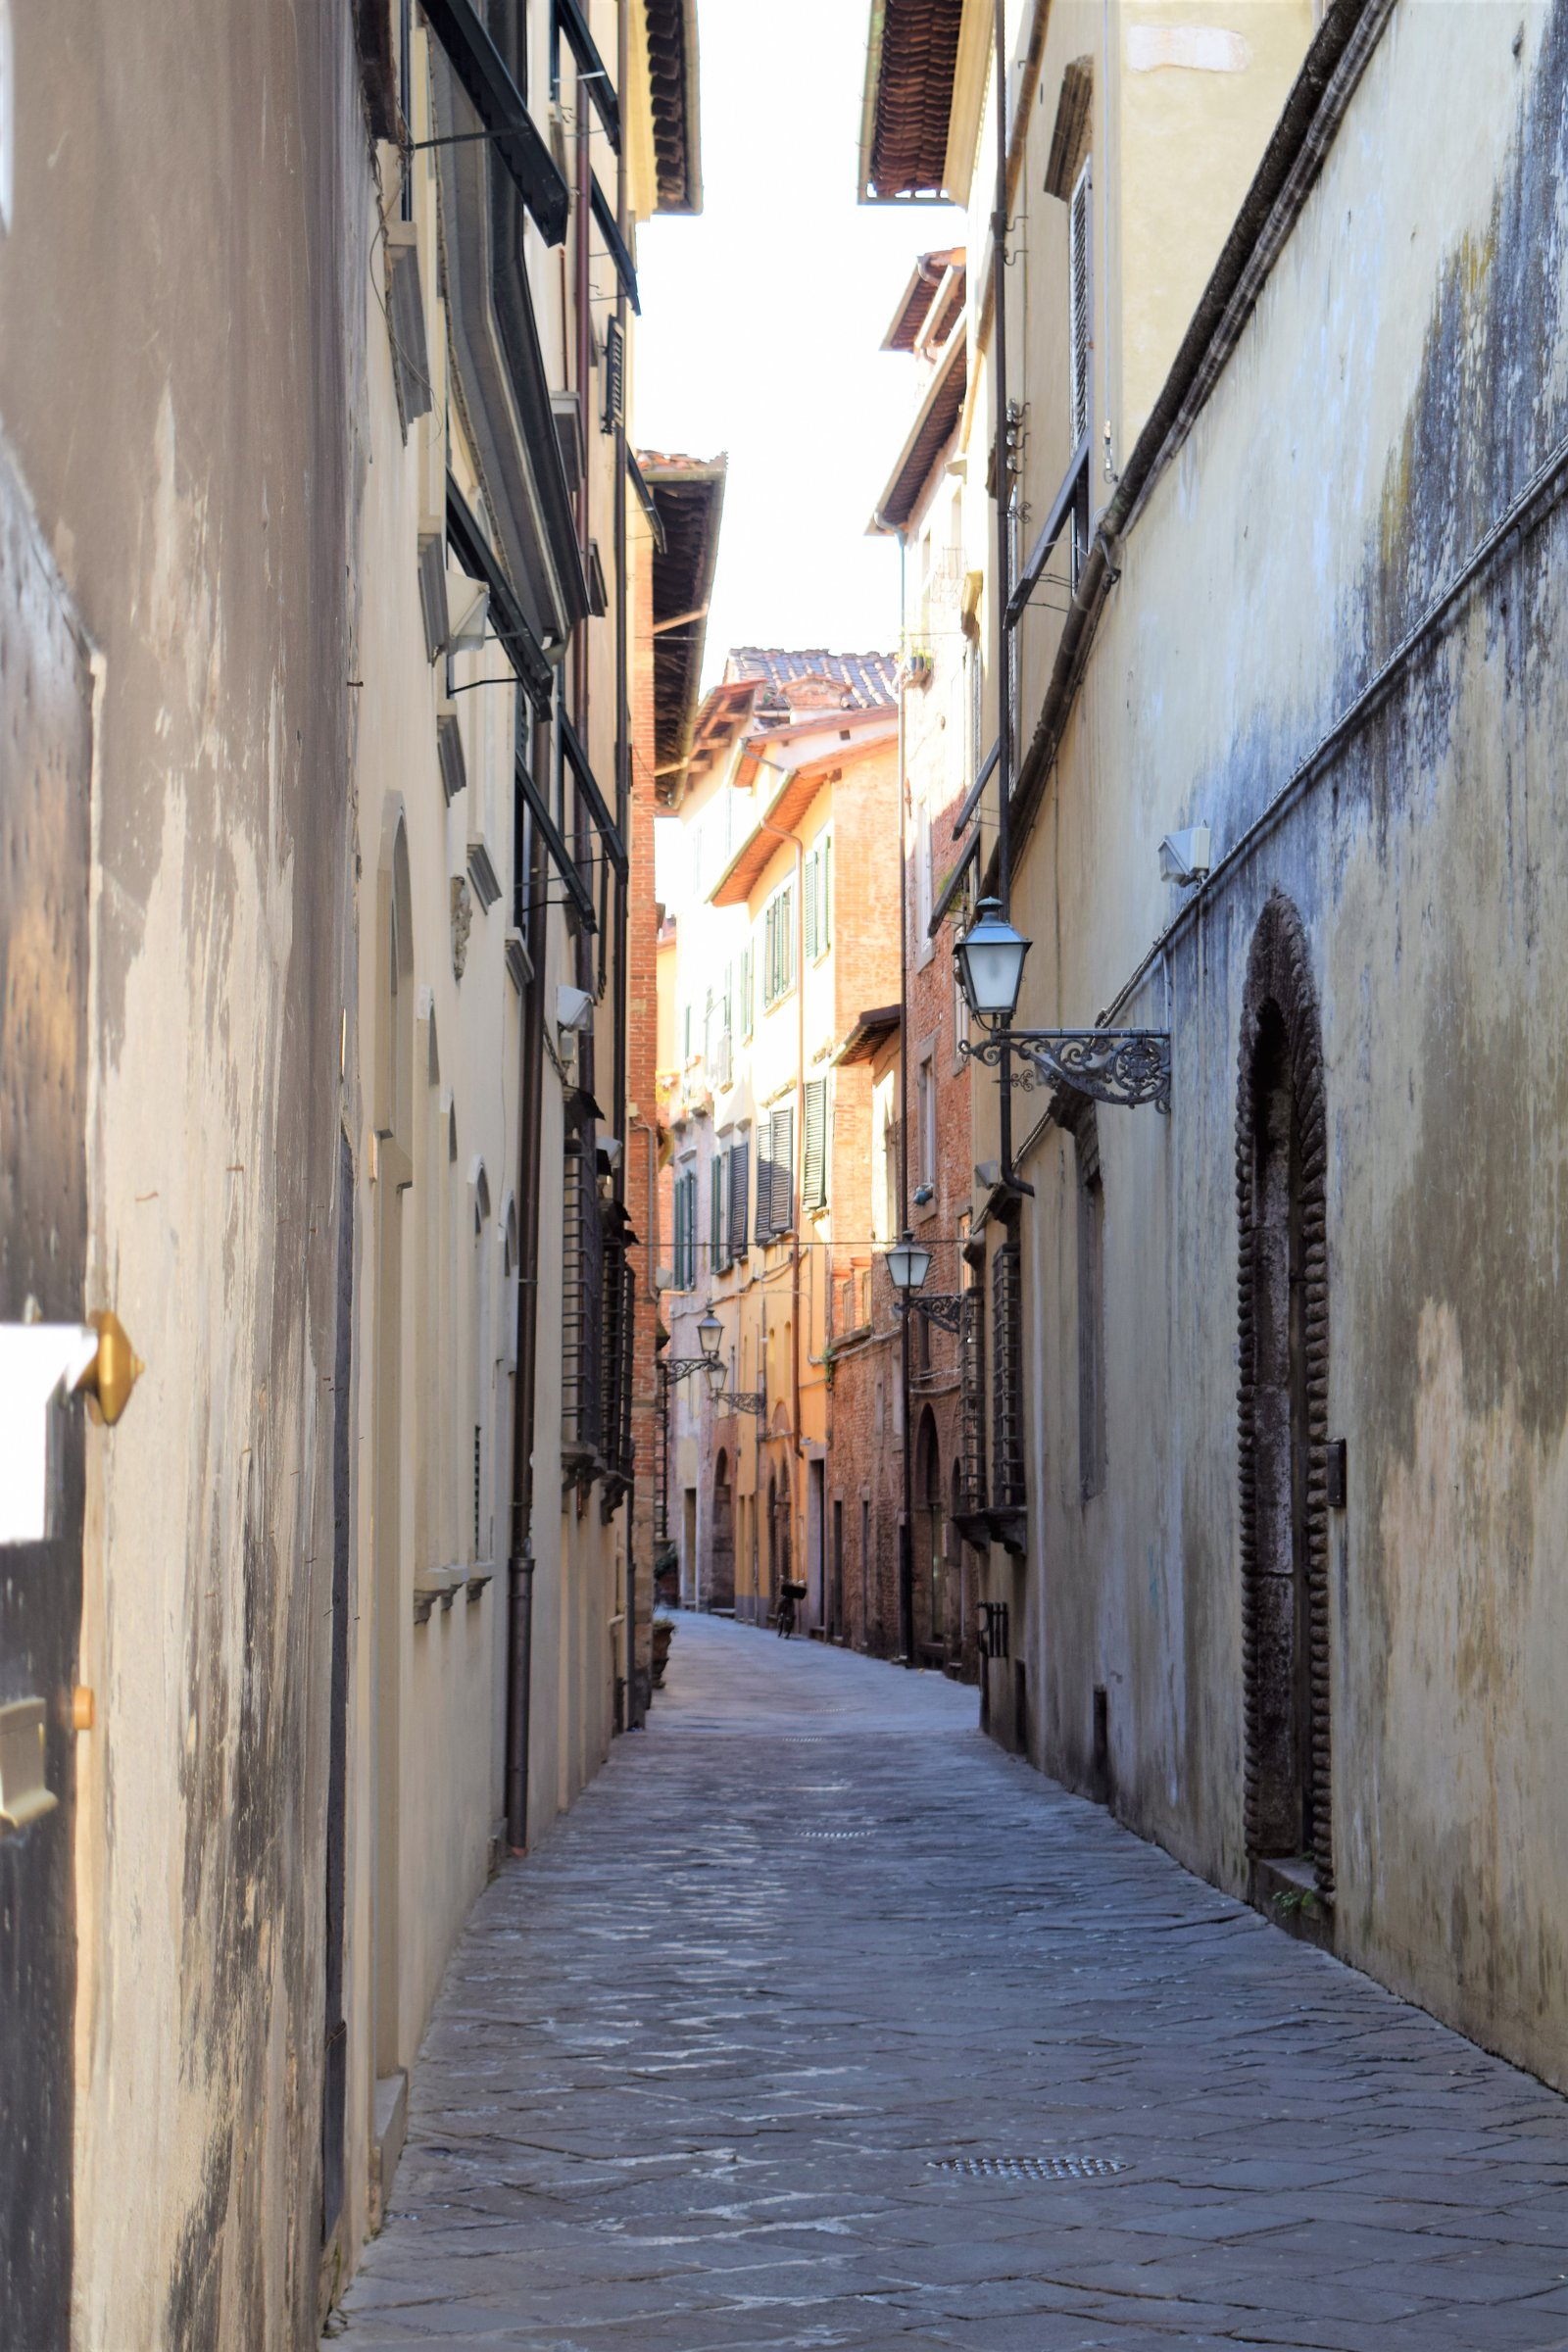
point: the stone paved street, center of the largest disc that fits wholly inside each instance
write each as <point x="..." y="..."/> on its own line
<point x="703" y="2063"/>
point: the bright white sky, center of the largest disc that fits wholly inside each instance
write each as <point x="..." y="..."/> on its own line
<point x="763" y="320"/>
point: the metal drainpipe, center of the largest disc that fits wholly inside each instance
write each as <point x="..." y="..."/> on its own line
<point x="634" y="1711"/>
<point x="907" y="1521"/>
<point x="520" y="1561"/>
<point x="999" y="355"/>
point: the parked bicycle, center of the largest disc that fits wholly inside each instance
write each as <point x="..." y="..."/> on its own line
<point x="789" y="1596"/>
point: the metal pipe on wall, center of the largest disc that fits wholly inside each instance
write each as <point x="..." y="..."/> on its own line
<point x="999" y="366"/>
<point x="520" y="1558"/>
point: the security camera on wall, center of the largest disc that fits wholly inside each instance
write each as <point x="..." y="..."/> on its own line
<point x="1185" y="856"/>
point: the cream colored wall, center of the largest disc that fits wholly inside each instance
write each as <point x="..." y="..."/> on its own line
<point x="1197" y="89"/>
<point x="1399" y="381"/>
<point x="465" y="1033"/>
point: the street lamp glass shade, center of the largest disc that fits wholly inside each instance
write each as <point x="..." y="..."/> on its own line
<point x="989" y="959"/>
<point x="716" y="1376"/>
<point x="710" y="1332"/>
<point x="908" y="1265"/>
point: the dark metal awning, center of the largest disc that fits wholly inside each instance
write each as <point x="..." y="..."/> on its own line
<point x="620" y="252"/>
<point x="478" y="560"/>
<point x="581" y="768"/>
<point x="499" y="104"/>
<point x="950" y="888"/>
<point x="560" y="856"/>
<point x="567" y="19"/>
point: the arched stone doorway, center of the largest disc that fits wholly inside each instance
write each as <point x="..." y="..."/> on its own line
<point x="1281" y="1166"/>
<point x="721" y="1560"/>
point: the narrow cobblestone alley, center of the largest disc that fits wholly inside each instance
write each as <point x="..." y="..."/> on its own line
<point x="739" y="2056"/>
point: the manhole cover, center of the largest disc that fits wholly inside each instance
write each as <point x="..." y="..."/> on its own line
<point x="1030" y="2168"/>
<point x="834" y="1835"/>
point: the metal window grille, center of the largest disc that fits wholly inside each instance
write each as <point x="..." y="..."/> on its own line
<point x="619" y="1308"/>
<point x="582" y="1323"/>
<point x="1007" y="1382"/>
<point x="973" y="1361"/>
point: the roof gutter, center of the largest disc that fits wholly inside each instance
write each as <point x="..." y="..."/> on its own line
<point x="1330" y="73"/>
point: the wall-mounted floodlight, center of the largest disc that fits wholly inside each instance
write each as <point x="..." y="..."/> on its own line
<point x="574" y="1009"/>
<point x="1185" y="856"/>
<point x="469" y="636"/>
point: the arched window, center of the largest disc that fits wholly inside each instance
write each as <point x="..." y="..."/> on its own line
<point x="1281" y="1171"/>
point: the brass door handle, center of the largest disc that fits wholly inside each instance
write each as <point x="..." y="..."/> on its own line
<point x="114" y="1369"/>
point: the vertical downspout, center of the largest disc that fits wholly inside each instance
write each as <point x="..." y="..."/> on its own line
<point x="906" y="1517"/>
<point x="998" y="349"/>
<point x="519" y="1561"/>
<point x="634" y="1711"/>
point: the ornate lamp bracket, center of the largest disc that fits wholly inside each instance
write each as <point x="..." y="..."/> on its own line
<point x="945" y="1307"/>
<point x="752" y="1401"/>
<point x="681" y="1367"/>
<point x="1124" y="1066"/>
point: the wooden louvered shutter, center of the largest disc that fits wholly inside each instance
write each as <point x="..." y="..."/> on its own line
<point x="764" y="1174"/>
<point x="824" y="928"/>
<point x="740" y="1186"/>
<point x="812" y="866"/>
<point x="1079" y="326"/>
<point x="715" y="1215"/>
<point x="679" y="1268"/>
<point x="745" y="992"/>
<point x="814" y="1156"/>
<point x="781" y="1187"/>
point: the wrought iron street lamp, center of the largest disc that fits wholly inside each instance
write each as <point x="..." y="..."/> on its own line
<point x="990" y="957"/>
<point x="907" y="1264"/>
<point x="1124" y="1066"/>
<point x="710" y="1333"/>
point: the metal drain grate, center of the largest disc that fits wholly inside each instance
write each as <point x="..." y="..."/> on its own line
<point x="1030" y="2168"/>
<point x="834" y="1835"/>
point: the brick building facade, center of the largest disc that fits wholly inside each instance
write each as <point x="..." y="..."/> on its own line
<point x="898" y="1394"/>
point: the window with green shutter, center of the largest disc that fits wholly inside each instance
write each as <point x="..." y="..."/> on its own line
<point x="781" y="1174"/>
<point x="813" y="894"/>
<point x="717" y="1222"/>
<point x="745" y="992"/>
<point x="740" y="1186"/>
<point x="764" y="1228"/>
<point x="814" y="1156"/>
<point x="778" y="945"/>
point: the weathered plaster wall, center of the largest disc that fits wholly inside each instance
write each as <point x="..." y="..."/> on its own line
<point x="1401" y="377"/>
<point x="183" y="331"/>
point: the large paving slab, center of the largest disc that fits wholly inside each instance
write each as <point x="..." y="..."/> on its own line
<point x="704" y="2067"/>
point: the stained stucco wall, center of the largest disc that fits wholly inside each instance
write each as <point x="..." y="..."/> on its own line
<point x="1402" y="377"/>
<point x="183" y="333"/>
